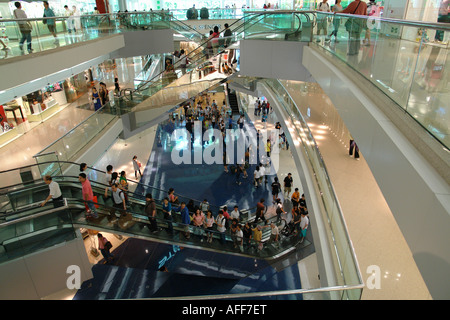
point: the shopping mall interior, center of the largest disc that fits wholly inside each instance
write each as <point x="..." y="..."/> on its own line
<point x="259" y="151"/>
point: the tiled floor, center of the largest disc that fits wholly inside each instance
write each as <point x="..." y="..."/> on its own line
<point x="375" y="235"/>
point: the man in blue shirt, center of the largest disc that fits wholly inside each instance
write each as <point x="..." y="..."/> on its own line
<point x="185" y="218"/>
<point x="51" y="23"/>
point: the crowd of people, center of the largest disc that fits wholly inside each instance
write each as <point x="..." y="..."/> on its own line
<point x="201" y="219"/>
<point x="202" y="222"/>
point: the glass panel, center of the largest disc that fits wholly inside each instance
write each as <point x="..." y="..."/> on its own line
<point x="35" y="234"/>
<point x="429" y="95"/>
<point x="68" y="145"/>
<point x="399" y="58"/>
<point x="346" y="269"/>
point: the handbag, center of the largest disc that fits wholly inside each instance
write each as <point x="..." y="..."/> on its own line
<point x="24" y="27"/>
<point x="353" y="24"/>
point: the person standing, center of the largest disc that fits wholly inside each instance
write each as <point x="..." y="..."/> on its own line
<point x="167" y="211"/>
<point x="354" y="26"/>
<point x="221" y="225"/>
<point x="239" y="238"/>
<point x="296" y="217"/>
<point x="51" y="23"/>
<point x="118" y="199"/>
<point x="24" y="27"/>
<point x="215" y="40"/>
<point x="256" y="177"/>
<point x="185" y="218"/>
<point x="150" y="211"/>
<point x="76" y="19"/>
<point x="96" y="99"/>
<point x="279" y="210"/>
<point x="88" y="195"/>
<point x="227" y="35"/>
<point x="108" y="175"/>
<point x="198" y="220"/>
<point x="336" y="20"/>
<point x="235" y="214"/>
<point x="288" y="184"/>
<point x="103" y="93"/>
<point x="55" y="193"/>
<point x="69" y="21"/>
<point x="104" y="248"/>
<point x="276" y="188"/>
<point x="352" y="147"/>
<point x="183" y="61"/>
<point x="304" y="223"/>
<point x="208" y="225"/>
<point x="443" y="17"/>
<point x="274" y="234"/>
<point x="295" y="198"/>
<point x="137" y="167"/>
<point x="123" y="184"/>
<point x="257" y="237"/>
<point x="322" y="20"/>
<point x="260" y="210"/>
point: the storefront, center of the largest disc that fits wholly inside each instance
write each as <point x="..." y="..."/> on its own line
<point x="24" y="113"/>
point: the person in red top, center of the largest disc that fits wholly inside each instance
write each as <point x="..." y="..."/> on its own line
<point x="225" y="212"/>
<point x="215" y="39"/>
<point x="356" y="7"/>
<point x="88" y="195"/>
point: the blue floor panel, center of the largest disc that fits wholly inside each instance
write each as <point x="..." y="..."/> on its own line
<point x="190" y="272"/>
<point x="134" y="272"/>
<point x="200" y="181"/>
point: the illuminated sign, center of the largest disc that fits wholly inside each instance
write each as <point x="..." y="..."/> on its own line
<point x="171" y="254"/>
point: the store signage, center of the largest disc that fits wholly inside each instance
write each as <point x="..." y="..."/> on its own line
<point x="169" y="256"/>
<point x="205" y="24"/>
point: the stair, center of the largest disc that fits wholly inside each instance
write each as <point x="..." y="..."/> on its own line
<point x="232" y="100"/>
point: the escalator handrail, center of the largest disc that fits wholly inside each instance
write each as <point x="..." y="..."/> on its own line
<point x="191" y="55"/>
<point x="40" y="182"/>
<point x="35" y="215"/>
<point x="70" y="204"/>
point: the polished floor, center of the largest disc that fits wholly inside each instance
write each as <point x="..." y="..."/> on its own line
<point x="377" y="241"/>
<point x="37" y="136"/>
<point x="375" y="235"/>
<point x="48" y="42"/>
<point x="136" y="275"/>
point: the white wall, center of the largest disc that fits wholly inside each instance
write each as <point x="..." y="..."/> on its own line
<point x="24" y="68"/>
<point x="417" y="196"/>
<point x="273" y="59"/>
<point x="144" y="42"/>
<point x="40" y="274"/>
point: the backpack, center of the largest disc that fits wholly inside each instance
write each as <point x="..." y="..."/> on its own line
<point x="119" y="196"/>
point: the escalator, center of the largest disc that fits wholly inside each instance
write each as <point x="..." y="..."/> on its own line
<point x="232" y="101"/>
<point x="162" y="94"/>
<point x="26" y="227"/>
<point x="158" y="20"/>
<point x="250" y="26"/>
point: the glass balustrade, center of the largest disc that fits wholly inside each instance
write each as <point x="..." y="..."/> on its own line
<point x="73" y="30"/>
<point x="407" y="61"/>
<point x="66" y="147"/>
<point x="14" y="197"/>
<point x="346" y="266"/>
<point x="25" y="213"/>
